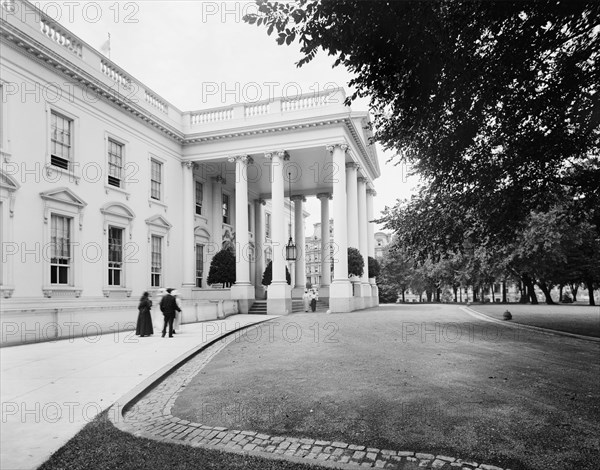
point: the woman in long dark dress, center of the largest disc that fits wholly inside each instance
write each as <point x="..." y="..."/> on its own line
<point x="144" y="322"/>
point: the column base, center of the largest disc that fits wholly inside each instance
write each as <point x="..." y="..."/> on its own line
<point x="340" y="296"/>
<point x="244" y="294"/>
<point x="375" y="294"/>
<point x="279" y="299"/>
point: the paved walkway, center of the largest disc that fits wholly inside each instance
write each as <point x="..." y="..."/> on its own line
<point x="51" y="390"/>
<point x="146" y="412"/>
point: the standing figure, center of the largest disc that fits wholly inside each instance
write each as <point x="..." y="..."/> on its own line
<point x="306" y="299"/>
<point x="313" y="299"/>
<point x="177" y="321"/>
<point x="168" y="306"/>
<point x="144" y="322"/>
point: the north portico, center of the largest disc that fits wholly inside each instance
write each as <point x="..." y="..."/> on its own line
<point x="307" y="146"/>
<point x="108" y="190"/>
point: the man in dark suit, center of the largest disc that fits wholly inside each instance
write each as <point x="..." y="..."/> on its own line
<point x="168" y="306"/>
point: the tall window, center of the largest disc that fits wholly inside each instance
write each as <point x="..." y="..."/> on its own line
<point x="115" y="163"/>
<point x="115" y="256"/>
<point x="156" y="262"/>
<point x="199" y="196"/>
<point x="199" y="264"/>
<point x="267" y="225"/>
<point x="155" y="179"/>
<point x="61" y="141"/>
<point x="225" y="208"/>
<point x="60" y="240"/>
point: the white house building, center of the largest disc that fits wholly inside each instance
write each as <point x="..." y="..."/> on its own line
<point x="108" y="190"/>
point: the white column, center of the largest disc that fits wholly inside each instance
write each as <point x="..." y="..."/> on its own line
<point x="259" y="240"/>
<point x="300" y="275"/>
<point x="279" y="296"/>
<point x="325" y="245"/>
<point x="187" y="206"/>
<point x="340" y="293"/>
<point x="217" y="214"/>
<point x="371" y="226"/>
<point x="362" y="239"/>
<point x="371" y="243"/>
<point x="242" y="290"/>
<point x="351" y="208"/>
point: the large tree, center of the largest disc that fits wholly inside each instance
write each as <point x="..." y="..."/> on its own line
<point x="492" y="101"/>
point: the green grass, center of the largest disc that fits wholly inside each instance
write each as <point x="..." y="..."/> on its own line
<point x="578" y="319"/>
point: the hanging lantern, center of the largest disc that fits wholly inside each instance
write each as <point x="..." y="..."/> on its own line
<point x="290" y="248"/>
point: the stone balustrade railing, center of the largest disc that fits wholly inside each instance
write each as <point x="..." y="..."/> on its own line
<point x="156" y="102"/>
<point x="214" y="115"/>
<point x="272" y="107"/>
<point x="58" y="35"/>
<point x="115" y="74"/>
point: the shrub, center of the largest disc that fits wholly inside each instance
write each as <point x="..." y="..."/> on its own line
<point x="374" y="267"/>
<point x="268" y="275"/>
<point x="222" y="268"/>
<point x="356" y="263"/>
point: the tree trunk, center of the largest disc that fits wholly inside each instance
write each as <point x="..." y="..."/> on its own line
<point x="403" y="299"/>
<point x="574" y="289"/>
<point x="460" y="293"/>
<point x="420" y="296"/>
<point x="504" y="292"/>
<point x="590" y="287"/>
<point x="475" y="289"/>
<point x="455" y="289"/>
<point x="437" y="294"/>
<point x="560" y="292"/>
<point x="523" y="291"/>
<point x="429" y="295"/>
<point x="530" y="291"/>
<point x="546" y="292"/>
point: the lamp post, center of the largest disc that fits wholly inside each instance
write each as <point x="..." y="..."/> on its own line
<point x="290" y="249"/>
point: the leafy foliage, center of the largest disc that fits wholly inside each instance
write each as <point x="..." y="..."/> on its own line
<point x="268" y="275"/>
<point x="356" y="263"/>
<point x="374" y="267"/>
<point x="222" y="268"/>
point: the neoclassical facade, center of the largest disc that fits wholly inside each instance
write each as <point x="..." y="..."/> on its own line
<point x="108" y="190"/>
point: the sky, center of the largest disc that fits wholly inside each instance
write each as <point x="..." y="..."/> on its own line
<point x="201" y="54"/>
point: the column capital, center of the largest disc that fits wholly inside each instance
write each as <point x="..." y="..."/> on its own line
<point x="324" y="196"/>
<point x="278" y="153"/>
<point x="298" y="197"/>
<point x="371" y="192"/>
<point x="189" y="164"/>
<point x="330" y="148"/>
<point x="218" y="179"/>
<point x="243" y="158"/>
<point x="362" y="179"/>
<point x="262" y="202"/>
<point x="352" y="166"/>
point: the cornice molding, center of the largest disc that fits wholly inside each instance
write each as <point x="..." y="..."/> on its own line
<point x="43" y="55"/>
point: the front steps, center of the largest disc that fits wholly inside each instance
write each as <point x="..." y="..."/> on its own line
<point x="259" y="307"/>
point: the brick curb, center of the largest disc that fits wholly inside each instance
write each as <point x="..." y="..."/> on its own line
<point x="539" y="329"/>
<point x="146" y="412"/>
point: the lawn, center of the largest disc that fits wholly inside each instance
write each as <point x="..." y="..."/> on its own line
<point x="578" y="319"/>
<point x="425" y="378"/>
